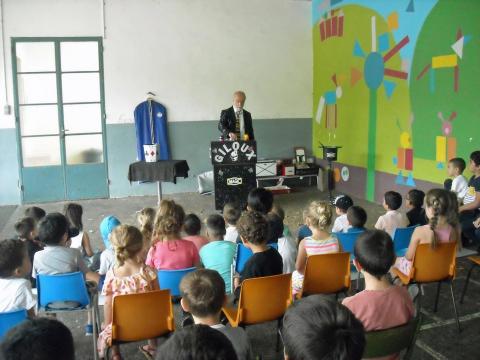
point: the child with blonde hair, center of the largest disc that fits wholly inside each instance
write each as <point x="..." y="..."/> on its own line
<point x="318" y="218"/>
<point x="169" y="251"/>
<point x="146" y="219"/>
<point x="129" y="276"/>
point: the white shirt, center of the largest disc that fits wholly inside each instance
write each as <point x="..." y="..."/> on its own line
<point x="242" y="122"/>
<point x="287" y="248"/>
<point x="16" y="295"/>
<point x="231" y="234"/>
<point x="107" y="261"/>
<point x="77" y="241"/>
<point x="58" y="260"/>
<point x="390" y="221"/>
<point x="341" y="224"/>
<point x="460" y="186"/>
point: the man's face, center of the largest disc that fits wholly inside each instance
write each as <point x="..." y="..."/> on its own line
<point x="238" y="101"/>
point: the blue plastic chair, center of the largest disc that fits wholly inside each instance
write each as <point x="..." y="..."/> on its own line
<point x="401" y="239"/>
<point x="11" y="319"/>
<point x="244" y="254"/>
<point x="274" y="245"/>
<point x="170" y="279"/>
<point x="347" y="240"/>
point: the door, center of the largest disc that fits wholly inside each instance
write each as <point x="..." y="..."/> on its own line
<point x="60" y="118"/>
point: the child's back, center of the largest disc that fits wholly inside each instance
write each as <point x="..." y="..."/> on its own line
<point x="265" y="263"/>
<point x="107" y="258"/>
<point x="231" y="214"/>
<point x="393" y="218"/>
<point x="192" y="227"/>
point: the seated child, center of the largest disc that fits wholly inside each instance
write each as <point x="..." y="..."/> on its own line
<point x="129" y="276"/>
<point x="192" y="227"/>
<point x="145" y="219"/>
<point x="26" y="230"/>
<point x="392" y="201"/>
<point x="35" y="213"/>
<point x="107" y="258"/>
<point x="455" y="169"/>
<point x="203" y="295"/>
<point x="15" y="265"/>
<point x="287" y="246"/>
<point x="319" y="219"/>
<point x="265" y="261"/>
<point x="231" y="214"/>
<point x="414" y="203"/>
<point x="303" y="231"/>
<point x="261" y="200"/>
<point x="342" y="204"/>
<point x="318" y="327"/>
<point x="197" y="342"/>
<point x="74" y="212"/>
<point x="381" y="305"/>
<point x="470" y="210"/>
<point x="442" y="226"/>
<point x="356" y="217"/>
<point x="169" y="251"/>
<point x="218" y="254"/>
<point x="39" y="339"/>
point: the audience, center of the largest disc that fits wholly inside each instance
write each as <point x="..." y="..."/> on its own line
<point x="26" y="230"/>
<point x="35" y="213"/>
<point x="15" y="267"/>
<point x="107" y="258"/>
<point x="470" y="210"/>
<point x="197" y="342"/>
<point x="414" y="204"/>
<point x="392" y="201"/>
<point x="192" y="226"/>
<point x="287" y="246"/>
<point x="145" y="220"/>
<point x="130" y="275"/>
<point x="38" y="339"/>
<point x="459" y="185"/>
<point x="231" y="214"/>
<point x="317" y="327"/>
<point x="342" y="204"/>
<point x="218" y="254"/>
<point x="356" y="218"/>
<point x="203" y="295"/>
<point x="319" y="219"/>
<point x="260" y="200"/>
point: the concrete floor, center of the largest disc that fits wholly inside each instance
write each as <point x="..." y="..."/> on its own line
<point x="438" y="338"/>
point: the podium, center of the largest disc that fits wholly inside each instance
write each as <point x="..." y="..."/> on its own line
<point x="233" y="171"/>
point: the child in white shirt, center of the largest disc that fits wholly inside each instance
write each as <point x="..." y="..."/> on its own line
<point x="392" y="201"/>
<point x="455" y="170"/>
<point x="342" y="203"/>
<point x="287" y="246"/>
<point x="15" y="266"/>
<point x="231" y="214"/>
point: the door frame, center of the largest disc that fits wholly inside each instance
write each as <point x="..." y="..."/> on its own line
<point x="60" y="104"/>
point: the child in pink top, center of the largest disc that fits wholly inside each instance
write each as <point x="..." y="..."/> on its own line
<point x="381" y="305"/>
<point x="392" y="219"/>
<point x="192" y="227"/>
<point x="169" y="251"/>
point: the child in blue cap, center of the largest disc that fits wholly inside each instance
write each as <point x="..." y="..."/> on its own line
<point x="107" y="258"/>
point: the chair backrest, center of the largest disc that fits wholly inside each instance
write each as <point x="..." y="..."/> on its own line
<point x="62" y="287"/>
<point x="402" y="237"/>
<point x="391" y="341"/>
<point x="243" y="254"/>
<point x="327" y="274"/>
<point x="347" y="240"/>
<point x="170" y="279"/>
<point x="142" y="316"/>
<point x="264" y="298"/>
<point x="274" y="245"/>
<point x="431" y="265"/>
<point x="11" y="319"/>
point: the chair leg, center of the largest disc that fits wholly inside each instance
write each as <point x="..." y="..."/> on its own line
<point x="279" y="326"/>
<point x="454" y="305"/>
<point x="466" y="283"/>
<point x="435" y="307"/>
<point x="94" y="335"/>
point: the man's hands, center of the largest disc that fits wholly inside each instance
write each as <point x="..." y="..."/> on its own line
<point x="233" y="136"/>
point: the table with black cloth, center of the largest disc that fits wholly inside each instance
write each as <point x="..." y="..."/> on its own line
<point x="163" y="170"/>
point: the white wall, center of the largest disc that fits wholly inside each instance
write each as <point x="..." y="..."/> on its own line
<point x="192" y="53"/>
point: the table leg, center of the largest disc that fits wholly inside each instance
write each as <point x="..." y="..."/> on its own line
<point x="159" y="191"/>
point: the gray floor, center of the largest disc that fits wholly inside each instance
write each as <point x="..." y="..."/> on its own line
<point x="438" y="338"/>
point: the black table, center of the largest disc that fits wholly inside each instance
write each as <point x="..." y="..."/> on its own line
<point x="163" y="170"/>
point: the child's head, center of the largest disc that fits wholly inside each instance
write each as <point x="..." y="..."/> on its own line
<point x="197" y="342"/>
<point x="374" y="252"/>
<point x="318" y="327"/>
<point x="415" y="199"/>
<point x="108" y="224"/>
<point x="192" y="225"/>
<point x="26" y="229"/>
<point x="39" y="339"/>
<point x="260" y="199"/>
<point x="440" y="203"/>
<point x="456" y="166"/>
<point x="73" y="213"/>
<point x="215" y="227"/>
<point x="392" y="200"/>
<point x="356" y="216"/>
<point x="203" y="293"/>
<point x="475" y="162"/>
<point x="146" y="218"/>
<point x="14" y="260"/>
<point x="342" y="204"/>
<point x="168" y="221"/>
<point x="35" y="212"/>
<point x="319" y="215"/>
<point x="275" y="226"/>
<point x="127" y="241"/>
<point x="278" y="210"/>
<point x="53" y="229"/>
<point x="231" y="213"/>
<point x="253" y="228"/>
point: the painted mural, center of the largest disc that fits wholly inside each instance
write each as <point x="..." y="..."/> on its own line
<point x="396" y="85"/>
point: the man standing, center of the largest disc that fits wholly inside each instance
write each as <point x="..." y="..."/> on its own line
<point x="235" y="122"/>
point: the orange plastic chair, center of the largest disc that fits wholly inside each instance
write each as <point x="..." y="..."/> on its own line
<point x="475" y="262"/>
<point x="261" y="299"/>
<point x="141" y="316"/>
<point x="326" y="274"/>
<point x="433" y="265"/>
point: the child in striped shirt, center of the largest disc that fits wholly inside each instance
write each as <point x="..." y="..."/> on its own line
<point x="318" y="219"/>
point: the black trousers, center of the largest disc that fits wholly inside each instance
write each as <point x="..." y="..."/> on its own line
<point x="469" y="232"/>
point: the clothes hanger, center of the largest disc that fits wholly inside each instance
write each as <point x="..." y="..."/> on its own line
<point x="150" y="96"/>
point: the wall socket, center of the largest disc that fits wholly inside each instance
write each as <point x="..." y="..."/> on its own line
<point x="7" y="110"/>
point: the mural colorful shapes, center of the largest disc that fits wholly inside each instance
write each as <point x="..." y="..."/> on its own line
<point x="332" y="25"/>
<point x="329" y="101"/>
<point x="447" y="61"/>
<point x="374" y="73"/>
<point x="446" y="145"/>
<point x="404" y="159"/>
